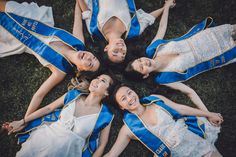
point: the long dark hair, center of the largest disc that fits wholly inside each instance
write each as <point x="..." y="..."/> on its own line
<point x="131" y="73"/>
<point x="116" y="88"/>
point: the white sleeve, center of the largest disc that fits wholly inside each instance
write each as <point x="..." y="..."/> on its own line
<point x="145" y="19"/>
<point x="86" y="16"/>
<point x="31" y="10"/>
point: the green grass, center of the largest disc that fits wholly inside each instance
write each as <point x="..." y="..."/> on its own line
<point x="21" y="75"/>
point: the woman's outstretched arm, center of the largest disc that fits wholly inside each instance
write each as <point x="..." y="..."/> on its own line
<point x="78" y="25"/>
<point x="102" y="141"/>
<point x="164" y="20"/>
<point x="121" y="143"/>
<point x="55" y="78"/>
<point x="190" y="93"/>
<point x="215" y="118"/>
<point x="158" y="12"/>
<point x="19" y="125"/>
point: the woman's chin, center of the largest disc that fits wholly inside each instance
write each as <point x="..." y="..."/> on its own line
<point x="133" y="107"/>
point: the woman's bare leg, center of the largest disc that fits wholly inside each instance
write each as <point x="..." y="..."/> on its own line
<point x="78" y="26"/>
<point x="2" y="5"/>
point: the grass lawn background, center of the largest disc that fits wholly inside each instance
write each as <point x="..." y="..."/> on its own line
<point x="22" y="75"/>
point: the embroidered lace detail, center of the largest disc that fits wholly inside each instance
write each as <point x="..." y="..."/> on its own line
<point x="201" y="47"/>
<point x="183" y="142"/>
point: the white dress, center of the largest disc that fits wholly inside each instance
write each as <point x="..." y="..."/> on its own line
<point x="181" y="141"/>
<point x="9" y="45"/>
<point x="66" y="137"/>
<point x="119" y="9"/>
<point x="201" y="47"/>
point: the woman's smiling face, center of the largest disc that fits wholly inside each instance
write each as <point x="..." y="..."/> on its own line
<point x="87" y="61"/>
<point x="100" y="84"/>
<point x="127" y="98"/>
<point x="143" y="65"/>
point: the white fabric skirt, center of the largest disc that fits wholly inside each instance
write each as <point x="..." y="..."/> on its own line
<point x="52" y="141"/>
<point x="199" y="48"/>
<point x="9" y="45"/>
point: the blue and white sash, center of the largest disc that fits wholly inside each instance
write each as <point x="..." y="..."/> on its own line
<point x="150" y="140"/>
<point x="145" y="136"/>
<point x="151" y="49"/>
<point x="194" y="125"/>
<point x="216" y="62"/>
<point x="21" y="28"/>
<point x="105" y="117"/>
<point x="170" y="77"/>
<point x="134" y="25"/>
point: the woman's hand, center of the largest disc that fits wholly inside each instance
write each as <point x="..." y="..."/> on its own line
<point x="215" y="119"/>
<point x="170" y="3"/>
<point x="16" y="126"/>
<point x="5" y="126"/>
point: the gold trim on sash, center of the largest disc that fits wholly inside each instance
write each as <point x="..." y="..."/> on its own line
<point x="88" y="138"/>
<point x="203" y="70"/>
<point x="153" y="101"/>
<point x="37" y="38"/>
<point x="183" y="35"/>
<point x="127" y="31"/>
<point x="198" y="122"/>
<point x="48" y="26"/>
<point x="44" y="122"/>
<point x="151" y="132"/>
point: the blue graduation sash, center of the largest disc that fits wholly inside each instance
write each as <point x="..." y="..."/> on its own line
<point x="150" y="140"/>
<point x="216" y="62"/>
<point x="51" y="117"/>
<point x="151" y="49"/>
<point x="192" y="122"/>
<point x="134" y="25"/>
<point x="24" y="135"/>
<point x="21" y="28"/>
<point x="145" y="136"/>
<point x="170" y="77"/>
<point x="105" y="117"/>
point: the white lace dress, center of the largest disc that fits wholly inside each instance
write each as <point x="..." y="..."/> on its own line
<point x="183" y="142"/>
<point x="66" y="137"/>
<point x="9" y="45"/>
<point x="201" y="47"/>
<point x="119" y="9"/>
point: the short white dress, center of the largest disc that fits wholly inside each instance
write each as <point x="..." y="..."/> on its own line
<point x="119" y="9"/>
<point x="181" y="141"/>
<point x="201" y="47"/>
<point x="9" y="45"/>
<point x="66" y="137"/>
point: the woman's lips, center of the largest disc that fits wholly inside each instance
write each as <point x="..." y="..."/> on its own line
<point x="132" y="101"/>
